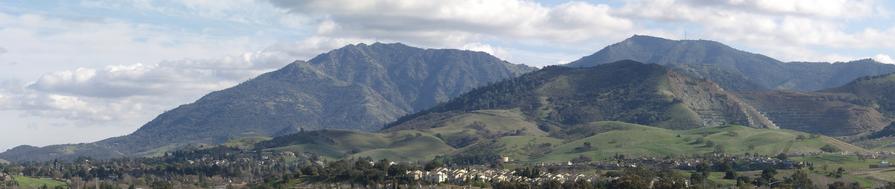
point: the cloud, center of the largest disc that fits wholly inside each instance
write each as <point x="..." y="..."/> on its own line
<point x="792" y="30"/>
<point x="809" y="8"/>
<point x="481" y="47"/>
<point x="161" y="78"/>
<point x="456" y="23"/>
<point x="884" y="59"/>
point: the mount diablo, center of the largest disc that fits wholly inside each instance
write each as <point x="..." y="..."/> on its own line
<point x="358" y="87"/>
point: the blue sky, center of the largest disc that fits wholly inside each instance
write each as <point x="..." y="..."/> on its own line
<point x="83" y="70"/>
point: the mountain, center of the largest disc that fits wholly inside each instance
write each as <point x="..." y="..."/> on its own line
<point x="626" y="91"/>
<point x="734" y="69"/>
<point x="832" y="114"/>
<point x="559" y="113"/>
<point x="878" y="90"/>
<point x="865" y="105"/>
<point x="357" y="87"/>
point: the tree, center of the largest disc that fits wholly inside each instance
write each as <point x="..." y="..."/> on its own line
<point x="829" y="148"/>
<point x="584" y="147"/>
<point x="704" y="170"/>
<point x="709" y="143"/>
<point x="730" y="174"/>
<point x="842" y="185"/>
<point x="744" y="182"/>
<point x="719" y="149"/>
<point x="582" y="159"/>
<point x="697" y="179"/>
<point x="799" y="179"/>
<point x="782" y="156"/>
<point x="767" y="177"/>
<point x="839" y="172"/>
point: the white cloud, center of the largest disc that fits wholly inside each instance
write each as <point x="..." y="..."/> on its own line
<point x="456" y="23"/>
<point x="494" y="51"/>
<point x="790" y="30"/>
<point x="884" y="59"/>
<point x="159" y="78"/>
<point x="48" y="43"/>
<point x="811" y="8"/>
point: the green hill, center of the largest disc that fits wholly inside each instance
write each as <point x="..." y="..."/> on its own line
<point x="337" y="144"/>
<point x="606" y="139"/>
<point x="640" y="140"/>
<point x="625" y="91"/>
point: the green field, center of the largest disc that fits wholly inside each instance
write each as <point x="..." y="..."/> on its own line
<point x="29" y="182"/>
<point x="246" y="142"/>
<point x="638" y="140"/>
<point x="402" y="146"/>
<point x="508" y="133"/>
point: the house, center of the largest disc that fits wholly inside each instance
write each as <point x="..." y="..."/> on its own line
<point x="436" y="177"/>
<point x="417" y="175"/>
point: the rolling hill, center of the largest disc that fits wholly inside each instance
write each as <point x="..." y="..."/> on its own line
<point x="483" y="135"/>
<point x="624" y="91"/>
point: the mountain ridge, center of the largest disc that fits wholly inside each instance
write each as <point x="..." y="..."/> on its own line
<point x="734" y="69"/>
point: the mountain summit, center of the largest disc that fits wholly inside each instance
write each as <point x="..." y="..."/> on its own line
<point x="732" y="68"/>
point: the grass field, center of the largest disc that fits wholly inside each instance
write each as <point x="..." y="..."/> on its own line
<point x="29" y="182"/>
<point x="400" y="146"/>
<point x="246" y="142"/>
<point x="639" y="140"/>
<point x="523" y="141"/>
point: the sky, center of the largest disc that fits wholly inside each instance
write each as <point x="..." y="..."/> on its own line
<point x="74" y="71"/>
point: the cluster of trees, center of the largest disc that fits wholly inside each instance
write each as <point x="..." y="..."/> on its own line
<point x="181" y="169"/>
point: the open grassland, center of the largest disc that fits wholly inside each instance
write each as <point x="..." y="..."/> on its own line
<point x="29" y="182"/>
<point x="638" y="140"/>
<point x="508" y="133"/>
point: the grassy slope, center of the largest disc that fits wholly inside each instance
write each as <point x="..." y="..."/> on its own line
<point x="530" y="144"/>
<point x="29" y="182"/>
<point x="246" y="142"/>
<point x="402" y="146"/>
<point x="639" y="140"/>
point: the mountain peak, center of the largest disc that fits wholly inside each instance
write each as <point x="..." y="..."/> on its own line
<point x="376" y="45"/>
<point x="640" y="38"/>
